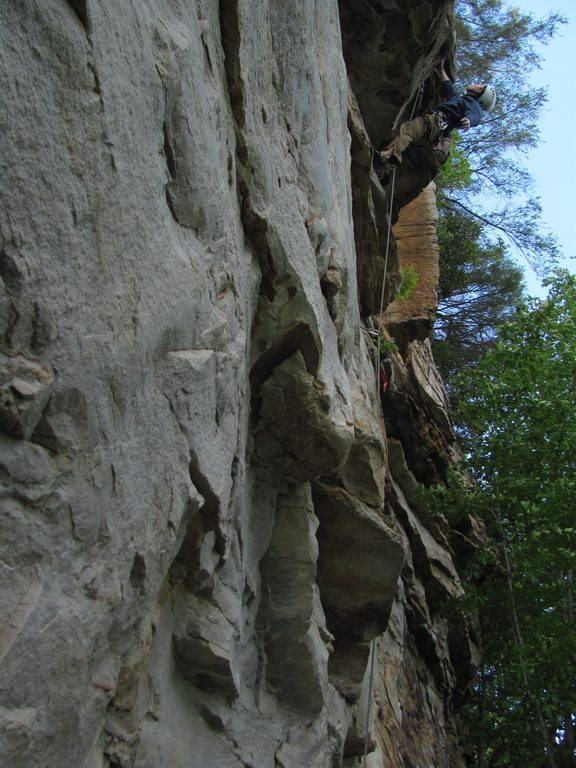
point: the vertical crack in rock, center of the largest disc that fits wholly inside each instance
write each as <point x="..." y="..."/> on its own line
<point x="170" y="164"/>
<point x="256" y="231"/>
<point x="183" y="203"/>
<point x="230" y="35"/>
<point x="80" y="8"/>
<point x="255" y="226"/>
<point x="193" y="115"/>
<point x="14" y="318"/>
<point x="296" y="654"/>
<point x="205" y="606"/>
<point x="203" y="635"/>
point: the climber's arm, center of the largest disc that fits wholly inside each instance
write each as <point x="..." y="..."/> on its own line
<point x="447" y="90"/>
<point x="441" y="72"/>
<point x="470" y="119"/>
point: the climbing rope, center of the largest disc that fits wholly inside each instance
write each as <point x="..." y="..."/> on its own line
<point x="378" y="362"/>
<point x="417" y="102"/>
<point x="369" y="704"/>
<point x="373" y="642"/>
<point x="383" y="291"/>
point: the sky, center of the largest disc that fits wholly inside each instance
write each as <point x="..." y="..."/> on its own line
<point x="553" y="163"/>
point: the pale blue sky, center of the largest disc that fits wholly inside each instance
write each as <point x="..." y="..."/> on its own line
<point x="553" y="164"/>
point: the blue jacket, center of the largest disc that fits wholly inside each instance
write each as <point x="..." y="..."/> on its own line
<point x="455" y="107"/>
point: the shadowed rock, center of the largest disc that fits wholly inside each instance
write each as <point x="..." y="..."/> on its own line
<point x="356" y="593"/>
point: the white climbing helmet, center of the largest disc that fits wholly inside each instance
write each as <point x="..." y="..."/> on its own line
<point x="487" y="98"/>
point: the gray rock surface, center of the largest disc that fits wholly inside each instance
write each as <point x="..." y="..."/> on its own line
<point x="200" y="530"/>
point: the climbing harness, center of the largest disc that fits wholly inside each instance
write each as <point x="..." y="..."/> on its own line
<point x="442" y="119"/>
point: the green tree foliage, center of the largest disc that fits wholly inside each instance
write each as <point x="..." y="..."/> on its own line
<point x="479" y="287"/>
<point x="517" y="405"/>
<point x="456" y="174"/>
<point x="497" y="44"/>
<point x="483" y="211"/>
<point x="518" y="416"/>
<point x="409" y="282"/>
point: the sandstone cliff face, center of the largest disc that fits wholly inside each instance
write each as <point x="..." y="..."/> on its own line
<point x="207" y="515"/>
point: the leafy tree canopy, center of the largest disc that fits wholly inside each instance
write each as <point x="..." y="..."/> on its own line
<point x="480" y="286"/>
<point x="484" y="212"/>
<point x="497" y="43"/>
<point x="517" y="404"/>
<point x="518" y="416"/>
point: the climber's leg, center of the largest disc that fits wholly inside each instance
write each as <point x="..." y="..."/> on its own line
<point x="412" y="130"/>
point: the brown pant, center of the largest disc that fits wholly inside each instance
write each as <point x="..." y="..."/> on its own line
<point x="425" y="126"/>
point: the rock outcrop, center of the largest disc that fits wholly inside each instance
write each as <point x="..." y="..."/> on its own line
<point x="208" y="516"/>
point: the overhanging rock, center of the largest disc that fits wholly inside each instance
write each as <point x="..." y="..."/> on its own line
<point x="357" y="593"/>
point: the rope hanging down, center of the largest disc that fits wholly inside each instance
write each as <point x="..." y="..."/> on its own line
<point x="377" y="402"/>
<point x="381" y="310"/>
<point x="417" y="100"/>
<point x="373" y="642"/>
<point x="369" y="704"/>
<point x="417" y="103"/>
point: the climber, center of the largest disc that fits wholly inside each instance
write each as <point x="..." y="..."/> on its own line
<point x="456" y="111"/>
